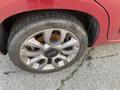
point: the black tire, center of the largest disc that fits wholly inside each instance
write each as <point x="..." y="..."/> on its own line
<point x="28" y="24"/>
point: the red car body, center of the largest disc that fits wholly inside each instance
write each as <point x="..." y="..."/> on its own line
<point x="105" y="11"/>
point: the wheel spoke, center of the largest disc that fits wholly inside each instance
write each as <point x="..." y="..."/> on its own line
<point x="39" y="66"/>
<point x="55" y="65"/>
<point x="71" y="56"/>
<point x="35" y="66"/>
<point x="72" y="51"/>
<point x="48" y="67"/>
<point x="69" y="43"/>
<point x="47" y="36"/>
<point x="46" y="46"/>
<point x="60" y="63"/>
<point x="33" y="43"/>
<point x="63" y="35"/>
<point x="64" y="58"/>
<point x="36" y="59"/>
<point x="28" y="53"/>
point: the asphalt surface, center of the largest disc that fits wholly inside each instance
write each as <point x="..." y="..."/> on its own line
<point x="100" y="70"/>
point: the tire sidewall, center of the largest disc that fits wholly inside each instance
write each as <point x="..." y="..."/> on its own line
<point x="17" y="40"/>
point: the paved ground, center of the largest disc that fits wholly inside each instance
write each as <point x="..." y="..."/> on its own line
<point x="99" y="71"/>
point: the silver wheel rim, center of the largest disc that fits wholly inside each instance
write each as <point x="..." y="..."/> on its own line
<point x="49" y="49"/>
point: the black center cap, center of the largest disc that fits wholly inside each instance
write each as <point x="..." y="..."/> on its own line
<point x="52" y="52"/>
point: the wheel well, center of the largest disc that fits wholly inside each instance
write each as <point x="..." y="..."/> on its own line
<point x="90" y="24"/>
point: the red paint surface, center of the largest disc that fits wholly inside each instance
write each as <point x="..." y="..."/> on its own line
<point x="113" y="9"/>
<point x="12" y="7"/>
